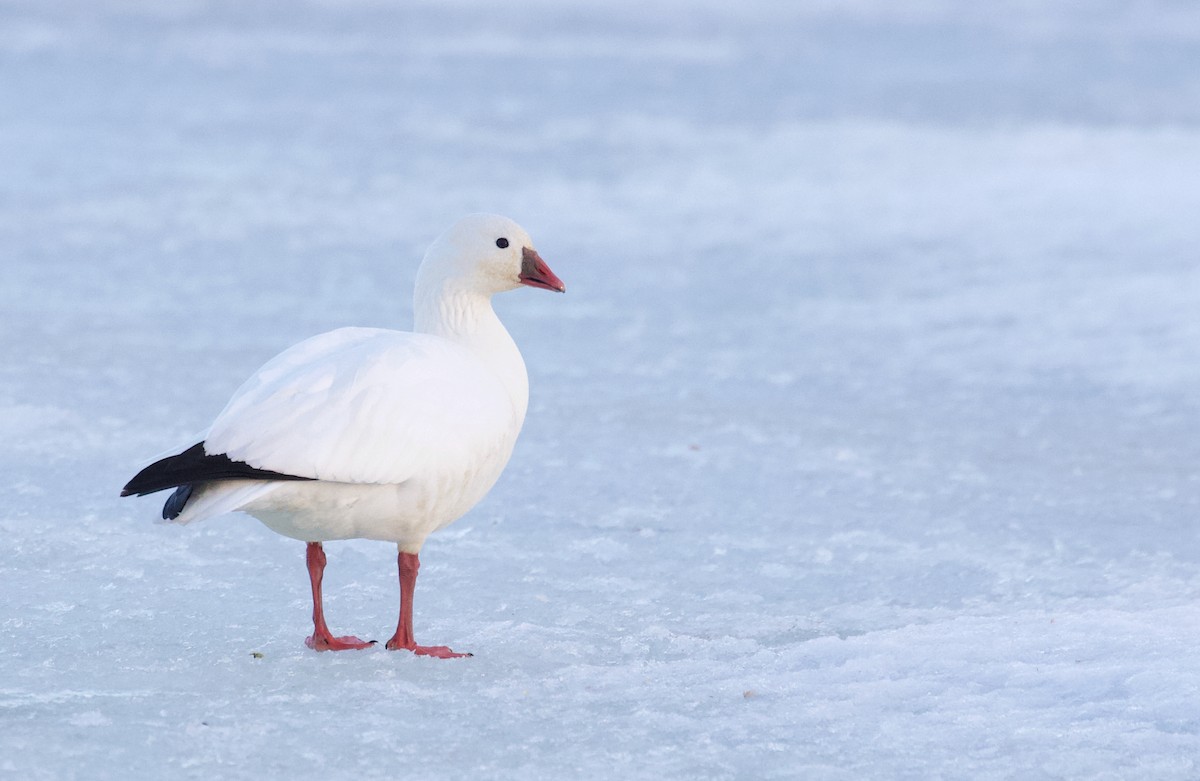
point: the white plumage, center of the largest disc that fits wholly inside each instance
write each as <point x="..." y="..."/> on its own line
<point x="362" y="405"/>
<point x="356" y="408"/>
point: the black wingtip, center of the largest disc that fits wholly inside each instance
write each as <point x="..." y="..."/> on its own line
<point x="164" y="473"/>
<point x="192" y="466"/>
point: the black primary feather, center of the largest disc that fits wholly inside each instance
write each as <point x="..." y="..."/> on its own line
<point x="176" y="501"/>
<point x="194" y="466"/>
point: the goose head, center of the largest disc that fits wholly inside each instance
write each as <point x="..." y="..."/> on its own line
<point x="485" y="254"/>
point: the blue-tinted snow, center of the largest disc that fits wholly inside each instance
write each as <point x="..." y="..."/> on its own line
<point x="865" y="443"/>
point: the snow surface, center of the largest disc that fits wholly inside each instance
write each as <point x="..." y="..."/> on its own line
<point x="865" y="443"/>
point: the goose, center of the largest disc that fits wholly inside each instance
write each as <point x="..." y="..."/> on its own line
<point x="374" y="433"/>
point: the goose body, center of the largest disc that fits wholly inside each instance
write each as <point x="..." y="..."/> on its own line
<point x="400" y="433"/>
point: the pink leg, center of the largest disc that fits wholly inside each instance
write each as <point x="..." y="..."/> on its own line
<point x="409" y="563"/>
<point x="322" y="639"/>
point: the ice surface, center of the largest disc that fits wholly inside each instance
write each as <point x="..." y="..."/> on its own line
<point x="865" y="443"/>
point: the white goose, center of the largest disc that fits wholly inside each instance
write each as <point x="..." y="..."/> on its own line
<point x="365" y="432"/>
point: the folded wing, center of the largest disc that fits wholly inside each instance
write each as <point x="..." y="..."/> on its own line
<point x="363" y="405"/>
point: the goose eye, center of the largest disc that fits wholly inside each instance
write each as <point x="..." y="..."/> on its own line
<point x="502" y="243"/>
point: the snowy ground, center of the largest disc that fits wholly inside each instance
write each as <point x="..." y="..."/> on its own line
<point x="864" y="445"/>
